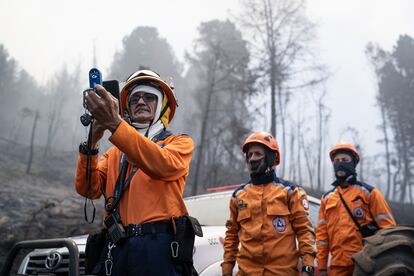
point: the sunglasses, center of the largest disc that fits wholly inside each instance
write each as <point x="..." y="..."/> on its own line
<point x="147" y="98"/>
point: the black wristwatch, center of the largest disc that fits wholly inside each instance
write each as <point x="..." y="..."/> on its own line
<point x="309" y="269"/>
<point x="83" y="148"/>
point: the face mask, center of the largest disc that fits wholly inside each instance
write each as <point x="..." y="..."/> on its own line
<point x="257" y="166"/>
<point x="343" y="170"/>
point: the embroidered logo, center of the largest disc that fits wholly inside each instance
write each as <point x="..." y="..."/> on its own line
<point x="279" y="224"/>
<point x="359" y="213"/>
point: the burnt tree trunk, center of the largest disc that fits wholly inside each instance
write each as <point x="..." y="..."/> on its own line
<point x="387" y="151"/>
<point x="203" y="133"/>
<point x="29" y="162"/>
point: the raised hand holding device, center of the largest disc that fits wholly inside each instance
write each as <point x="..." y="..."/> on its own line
<point x="95" y="77"/>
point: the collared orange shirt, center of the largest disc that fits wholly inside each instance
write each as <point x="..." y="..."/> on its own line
<point x="156" y="189"/>
<point x="266" y="220"/>
<point x="336" y="233"/>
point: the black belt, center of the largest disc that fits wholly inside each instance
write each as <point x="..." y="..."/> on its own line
<point x="134" y="230"/>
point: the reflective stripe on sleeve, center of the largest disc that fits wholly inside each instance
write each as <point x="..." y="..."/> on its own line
<point x="383" y="216"/>
<point x="323" y="243"/>
<point x="322" y="221"/>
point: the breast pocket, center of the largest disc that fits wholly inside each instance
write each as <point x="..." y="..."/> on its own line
<point x="244" y="215"/>
<point x="331" y="206"/>
<point x="279" y="214"/>
<point x="277" y="208"/>
<point x="330" y="212"/>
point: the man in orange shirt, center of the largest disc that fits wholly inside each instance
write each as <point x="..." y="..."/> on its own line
<point x="337" y="232"/>
<point x="146" y="169"/>
<point x="268" y="217"/>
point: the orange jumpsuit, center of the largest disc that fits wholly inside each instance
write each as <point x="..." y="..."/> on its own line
<point x="267" y="219"/>
<point x="155" y="191"/>
<point x="337" y="234"/>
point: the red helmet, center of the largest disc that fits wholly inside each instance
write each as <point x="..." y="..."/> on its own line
<point x="266" y="139"/>
<point x="344" y="146"/>
<point x="150" y="76"/>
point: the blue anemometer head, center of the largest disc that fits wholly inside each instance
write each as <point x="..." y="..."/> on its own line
<point x="95" y="77"/>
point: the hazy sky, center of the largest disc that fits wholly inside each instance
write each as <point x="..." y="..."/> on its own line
<point x="43" y="35"/>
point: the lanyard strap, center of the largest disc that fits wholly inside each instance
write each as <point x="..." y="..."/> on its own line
<point x="349" y="212"/>
<point x="89" y="179"/>
<point x="121" y="185"/>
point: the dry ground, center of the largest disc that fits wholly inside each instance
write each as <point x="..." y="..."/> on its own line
<point x="42" y="204"/>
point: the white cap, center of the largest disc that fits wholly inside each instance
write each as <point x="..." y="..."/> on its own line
<point x="151" y="90"/>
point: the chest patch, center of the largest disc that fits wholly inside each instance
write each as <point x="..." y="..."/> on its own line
<point x="279" y="224"/>
<point x="359" y="213"/>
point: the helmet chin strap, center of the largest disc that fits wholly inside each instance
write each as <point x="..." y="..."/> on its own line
<point x="148" y="129"/>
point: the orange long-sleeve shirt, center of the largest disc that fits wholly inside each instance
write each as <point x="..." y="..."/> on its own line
<point x="155" y="191"/>
<point x="266" y="220"/>
<point x="336" y="233"/>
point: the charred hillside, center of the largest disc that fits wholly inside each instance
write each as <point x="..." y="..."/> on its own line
<point x="42" y="203"/>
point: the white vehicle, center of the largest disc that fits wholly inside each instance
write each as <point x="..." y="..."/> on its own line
<point x="212" y="211"/>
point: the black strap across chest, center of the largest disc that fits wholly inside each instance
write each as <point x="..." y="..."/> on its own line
<point x="349" y="212"/>
<point x="121" y="183"/>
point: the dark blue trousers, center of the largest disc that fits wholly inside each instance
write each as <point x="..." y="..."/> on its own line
<point x="147" y="255"/>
